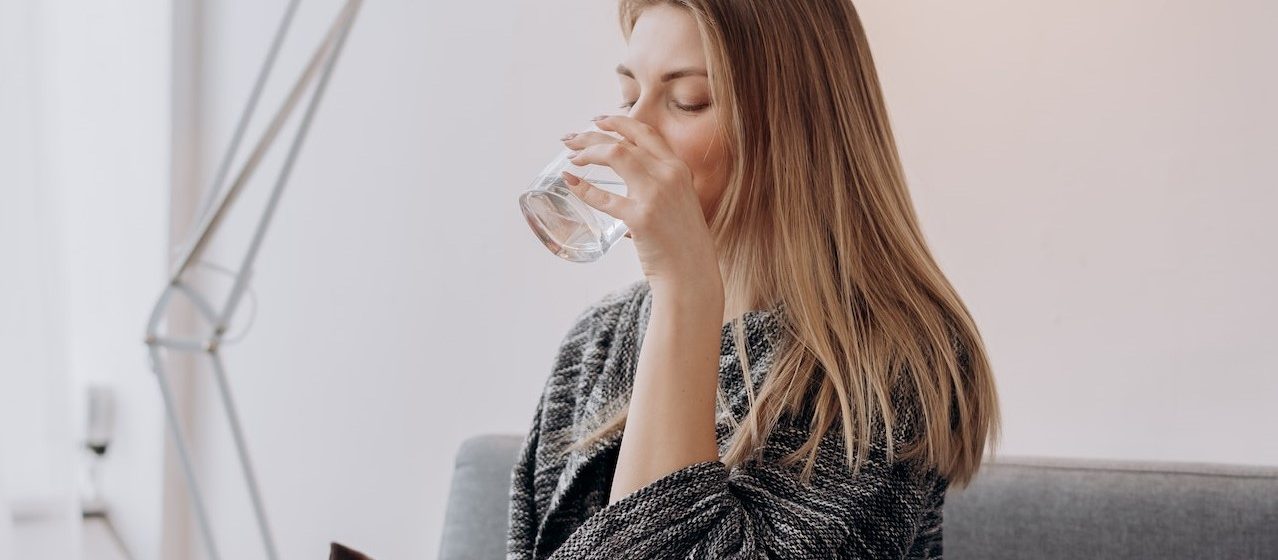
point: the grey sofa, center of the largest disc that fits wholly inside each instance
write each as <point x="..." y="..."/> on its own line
<point x="1018" y="507"/>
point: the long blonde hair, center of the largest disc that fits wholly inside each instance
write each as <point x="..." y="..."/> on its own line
<point x="817" y="217"/>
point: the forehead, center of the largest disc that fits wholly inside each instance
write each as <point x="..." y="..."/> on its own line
<point x="664" y="37"/>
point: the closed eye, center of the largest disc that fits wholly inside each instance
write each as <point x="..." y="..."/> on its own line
<point x="680" y="106"/>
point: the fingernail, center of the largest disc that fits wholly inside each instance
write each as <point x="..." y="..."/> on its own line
<point x="574" y="154"/>
<point x="570" y="178"/>
<point x="600" y="117"/>
<point x="568" y="136"/>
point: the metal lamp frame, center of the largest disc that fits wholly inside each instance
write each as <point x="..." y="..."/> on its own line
<point x="318" y="69"/>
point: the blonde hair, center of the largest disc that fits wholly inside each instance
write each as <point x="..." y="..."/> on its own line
<point x="817" y="217"/>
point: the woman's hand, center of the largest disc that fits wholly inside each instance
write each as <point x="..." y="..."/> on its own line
<point x="661" y="207"/>
<point x="670" y="419"/>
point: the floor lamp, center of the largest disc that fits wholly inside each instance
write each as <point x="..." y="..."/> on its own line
<point x="318" y="70"/>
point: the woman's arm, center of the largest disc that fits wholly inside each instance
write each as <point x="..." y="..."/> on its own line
<point x="524" y="519"/>
<point x="670" y="423"/>
<point x="670" y="420"/>
<point x="760" y="510"/>
<point x="521" y="523"/>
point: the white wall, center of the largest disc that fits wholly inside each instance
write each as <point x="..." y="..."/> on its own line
<point x="1092" y="176"/>
<point x="109" y="128"/>
<point x="36" y="482"/>
<point x="84" y="219"/>
<point x="405" y="305"/>
<point x="26" y="350"/>
<point x="1097" y="178"/>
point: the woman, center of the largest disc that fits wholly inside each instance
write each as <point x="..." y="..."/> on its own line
<point x="809" y="383"/>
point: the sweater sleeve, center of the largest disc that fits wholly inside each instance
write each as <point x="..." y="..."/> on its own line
<point x="523" y="520"/>
<point x="761" y="510"/>
<point x="522" y="524"/>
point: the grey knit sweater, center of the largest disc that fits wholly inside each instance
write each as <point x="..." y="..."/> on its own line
<point x="559" y="496"/>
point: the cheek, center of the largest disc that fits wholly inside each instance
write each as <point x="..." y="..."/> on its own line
<point x="703" y="154"/>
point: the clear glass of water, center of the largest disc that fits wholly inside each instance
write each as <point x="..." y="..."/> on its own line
<point x="567" y="226"/>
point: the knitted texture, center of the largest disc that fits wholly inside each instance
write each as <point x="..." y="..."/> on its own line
<point x="559" y="496"/>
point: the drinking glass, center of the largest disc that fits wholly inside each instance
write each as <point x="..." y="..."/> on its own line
<point x="567" y="226"/>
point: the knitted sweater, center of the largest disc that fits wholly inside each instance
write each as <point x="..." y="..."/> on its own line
<point x="559" y="496"/>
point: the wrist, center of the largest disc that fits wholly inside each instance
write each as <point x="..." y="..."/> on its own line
<point x="704" y="290"/>
<point x="690" y="300"/>
<point x="705" y="283"/>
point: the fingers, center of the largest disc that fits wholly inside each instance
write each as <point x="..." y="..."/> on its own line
<point x="640" y="133"/>
<point x="580" y="140"/>
<point x="609" y="203"/>
<point x="626" y="159"/>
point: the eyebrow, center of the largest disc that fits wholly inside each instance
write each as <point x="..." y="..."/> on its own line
<point x="672" y="75"/>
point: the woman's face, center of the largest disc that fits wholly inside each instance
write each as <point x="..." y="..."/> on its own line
<point x="664" y="84"/>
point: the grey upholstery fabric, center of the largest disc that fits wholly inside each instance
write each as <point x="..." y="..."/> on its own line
<point x="1071" y="508"/>
<point x="1018" y="507"/>
<point x="478" y="503"/>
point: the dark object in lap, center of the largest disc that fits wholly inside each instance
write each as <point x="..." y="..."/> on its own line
<point x="339" y="552"/>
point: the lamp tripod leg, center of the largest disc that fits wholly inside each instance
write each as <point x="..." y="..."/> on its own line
<point x="246" y="466"/>
<point x="201" y="512"/>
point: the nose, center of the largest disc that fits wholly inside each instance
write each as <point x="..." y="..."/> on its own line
<point x="644" y="113"/>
